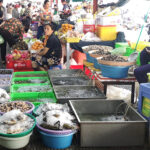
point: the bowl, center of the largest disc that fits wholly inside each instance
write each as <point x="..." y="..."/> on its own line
<point x="15" y="143"/>
<point x="27" y="112"/>
<point x="56" y="141"/>
<point x="22" y="133"/>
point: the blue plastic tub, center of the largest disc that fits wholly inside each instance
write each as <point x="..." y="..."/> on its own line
<point x="57" y="141"/>
<point x="116" y="72"/>
<point x="89" y="58"/>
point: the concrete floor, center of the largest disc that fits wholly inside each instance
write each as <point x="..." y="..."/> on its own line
<point x="36" y="144"/>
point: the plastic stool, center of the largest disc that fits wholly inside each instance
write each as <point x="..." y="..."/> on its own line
<point x="144" y="92"/>
<point x="55" y="66"/>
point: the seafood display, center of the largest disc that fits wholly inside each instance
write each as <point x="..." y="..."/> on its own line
<point x="45" y="88"/>
<point x="31" y="75"/>
<point x="22" y="106"/>
<point x="56" y="117"/>
<point x="5" y="81"/>
<point x="4" y="97"/>
<point x="101" y="52"/>
<point x="74" y="92"/>
<point x="114" y="58"/>
<point x="32" y="81"/>
<point x="52" y="106"/>
<point x="14" y="122"/>
<point x="97" y="47"/>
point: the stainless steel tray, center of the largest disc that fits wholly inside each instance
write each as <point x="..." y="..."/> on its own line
<point x="65" y="93"/>
<point x="104" y="123"/>
<point x="66" y="73"/>
<point x="64" y="81"/>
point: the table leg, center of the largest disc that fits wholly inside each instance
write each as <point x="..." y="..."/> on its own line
<point x="68" y="56"/>
<point x="105" y="88"/>
<point x="132" y="92"/>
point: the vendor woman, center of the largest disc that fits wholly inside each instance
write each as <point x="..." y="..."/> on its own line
<point x="52" y="52"/>
<point x="141" y="72"/>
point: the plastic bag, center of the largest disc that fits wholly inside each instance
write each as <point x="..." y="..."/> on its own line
<point x="14" y="122"/>
<point x="116" y="93"/>
<point x="1" y="40"/>
<point x="119" y="51"/>
<point x="52" y="106"/>
<point x="4" y="97"/>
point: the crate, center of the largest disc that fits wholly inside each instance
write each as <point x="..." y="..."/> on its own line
<point x="79" y="57"/>
<point x="106" y="33"/>
<point x="27" y="95"/>
<point x="144" y="95"/>
<point x="76" y="67"/>
<point x="73" y="40"/>
<point x="31" y="78"/>
<point x="6" y="72"/>
<point x="28" y="73"/>
<point x="109" y="20"/>
<point x="19" y="64"/>
<point x="34" y="99"/>
<point x="141" y="45"/>
<point x="6" y="86"/>
<point x="88" y="28"/>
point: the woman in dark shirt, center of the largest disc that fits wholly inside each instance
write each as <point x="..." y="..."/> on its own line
<point x="141" y="72"/>
<point x="52" y="52"/>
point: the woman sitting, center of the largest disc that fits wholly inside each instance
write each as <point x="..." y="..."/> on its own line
<point x="141" y="72"/>
<point x="52" y="52"/>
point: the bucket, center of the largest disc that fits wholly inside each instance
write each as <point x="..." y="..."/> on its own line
<point x="56" y="141"/>
<point x="146" y="107"/>
<point x="15" y="143"/>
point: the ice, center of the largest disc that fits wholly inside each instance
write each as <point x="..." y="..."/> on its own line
<point x="14" y="122"/>
<point x="45" y="88"/>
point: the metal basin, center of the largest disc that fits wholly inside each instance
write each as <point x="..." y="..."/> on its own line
<point x="60" y="81"/>
<point x="66" y="73"/>
<point x="108" y="123"/>
<point x="65" y="93"/>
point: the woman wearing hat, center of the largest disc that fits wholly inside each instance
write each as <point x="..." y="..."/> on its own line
<point x="141" y="72"/>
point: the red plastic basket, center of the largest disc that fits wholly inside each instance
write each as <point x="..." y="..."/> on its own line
<point x="76" y="67"/>
<point x="19" y="65"/>
<point x="79" y="57"/>
<point x="88" y="28"/>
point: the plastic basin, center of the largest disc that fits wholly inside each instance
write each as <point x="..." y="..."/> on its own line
<point x="27" y="112"/>
<point x="22" y="133"/>
<point x="15" y="143"/>
<point x="56" y="141"/>
<point x="54" y="132"/>
<point x="116" y="72"/>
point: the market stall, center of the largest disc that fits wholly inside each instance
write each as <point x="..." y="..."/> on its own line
<point x="64" y="108"/>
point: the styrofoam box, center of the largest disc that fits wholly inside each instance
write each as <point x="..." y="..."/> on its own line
<point x="108" y="20"/>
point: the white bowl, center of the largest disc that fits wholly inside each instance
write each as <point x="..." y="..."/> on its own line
<point x="15" y="143"/>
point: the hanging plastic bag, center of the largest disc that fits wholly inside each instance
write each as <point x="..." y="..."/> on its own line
<point x="1" y="40"/>
<point x="119" y="51"/>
